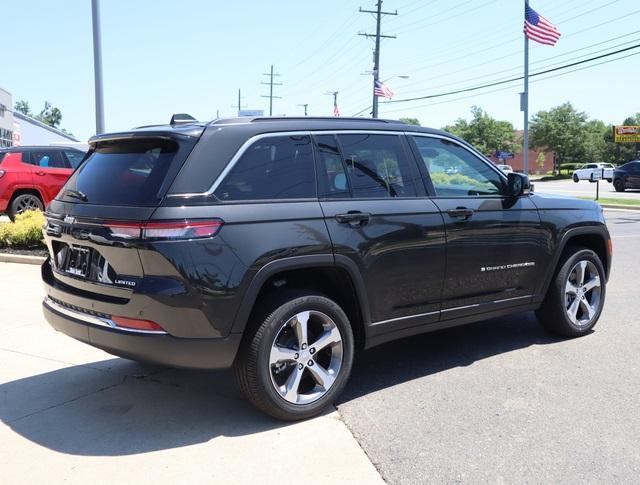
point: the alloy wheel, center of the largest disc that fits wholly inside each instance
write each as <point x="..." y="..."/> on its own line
<point x="28" y="202"/>
<point x="306" y="357"/>
<point x="583" y="293"/>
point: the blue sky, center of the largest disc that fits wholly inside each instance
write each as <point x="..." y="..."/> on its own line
<point x="162" y="56"/>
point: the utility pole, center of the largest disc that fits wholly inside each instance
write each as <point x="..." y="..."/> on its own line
<point x="305" y="108"/>
<point x="97" y="66"/>
<point x="271" y="84"/>
<point x="239" y="105"/>
<point x="376" y="53"/>
<point x="336" y="110"/>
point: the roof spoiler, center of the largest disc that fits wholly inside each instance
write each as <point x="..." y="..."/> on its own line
<point x="181" y="118"/>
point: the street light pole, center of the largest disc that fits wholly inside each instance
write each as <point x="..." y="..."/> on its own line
<point x="97" y="66"/>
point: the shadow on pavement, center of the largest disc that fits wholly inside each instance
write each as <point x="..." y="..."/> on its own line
<point x="127" y="411"/>
<point x="117" y="407"/>
<point x="411" y="358"/>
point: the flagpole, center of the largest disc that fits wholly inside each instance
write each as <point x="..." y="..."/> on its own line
<point x="525" y="103"/>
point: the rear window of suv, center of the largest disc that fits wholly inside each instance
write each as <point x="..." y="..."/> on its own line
<point x="125" y="172"/>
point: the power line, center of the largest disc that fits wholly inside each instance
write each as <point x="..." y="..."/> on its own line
<point x="510" y="87"/>
<point x="518" y="78"/>
<point x="506" y="81"/>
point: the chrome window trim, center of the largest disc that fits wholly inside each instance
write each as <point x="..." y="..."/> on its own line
<point x="245" y="146"/>
<point x="471" y="150"/>
<point x="93" y="320"/>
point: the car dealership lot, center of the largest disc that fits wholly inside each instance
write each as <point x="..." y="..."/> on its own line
<point x="498" y="401"/>
<point x="584" y="188"/>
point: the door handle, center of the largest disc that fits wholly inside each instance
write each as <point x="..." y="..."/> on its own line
<point x="40" y="173"/>
<point x="460" y="212"/>
<point x="354" y="218"/>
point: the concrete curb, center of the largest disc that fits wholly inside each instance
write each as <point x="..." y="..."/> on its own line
<point x="21" y="258"/>
<point x="621" y="206"/>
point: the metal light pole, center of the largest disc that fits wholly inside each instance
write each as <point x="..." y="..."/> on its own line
<point x="97" y="66"/>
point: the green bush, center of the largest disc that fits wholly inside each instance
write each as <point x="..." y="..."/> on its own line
<point x="25" y="232"/>
<point x="441" y="178"/>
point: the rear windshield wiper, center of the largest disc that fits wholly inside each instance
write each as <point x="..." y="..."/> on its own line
<point x="76" y="194"/>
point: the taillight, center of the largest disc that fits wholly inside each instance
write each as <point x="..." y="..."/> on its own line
<point x="136" y="324"/>
<point x="185" y="229"/>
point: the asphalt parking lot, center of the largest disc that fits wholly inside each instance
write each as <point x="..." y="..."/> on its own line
<point x="503" y="402"/>
<point x="498" y="402"/>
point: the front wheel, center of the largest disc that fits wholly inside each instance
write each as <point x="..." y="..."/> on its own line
<point x="576" y="178"/>
<point x="618" y="184"/>
<point x="297" y="358"/>
<point x="575" y="297"/>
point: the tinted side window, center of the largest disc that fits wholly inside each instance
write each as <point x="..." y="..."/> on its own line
<point x="74" y="157"/>
<point x="48" y="159"/>
<point x="456" y="172"/>
<point x="332" y="175"/>
<point x="377" y="166"/>
<point x="275" y="167"/>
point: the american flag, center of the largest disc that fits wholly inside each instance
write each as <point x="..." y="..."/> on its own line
<point x="382" y="90"/>
<point x="537" y="28"/>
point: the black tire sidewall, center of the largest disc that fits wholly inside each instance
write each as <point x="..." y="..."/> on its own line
<point x="13" y="208"/>
<point x="273" y="324"/>
<point x="559" y="290"/>
<point x="618" y="185"/>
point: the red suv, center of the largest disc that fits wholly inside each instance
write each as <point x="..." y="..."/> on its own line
<point x="30" y="177"/>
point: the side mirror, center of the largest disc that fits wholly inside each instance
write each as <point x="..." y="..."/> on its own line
<point x="518" y="184"/>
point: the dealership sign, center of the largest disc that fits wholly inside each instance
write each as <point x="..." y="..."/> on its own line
<point x="626" y="134"/>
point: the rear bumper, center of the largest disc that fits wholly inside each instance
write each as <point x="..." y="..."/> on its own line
<point x="199" y="353"/>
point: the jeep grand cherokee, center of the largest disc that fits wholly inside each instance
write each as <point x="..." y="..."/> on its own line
<point x="279" y="246"/>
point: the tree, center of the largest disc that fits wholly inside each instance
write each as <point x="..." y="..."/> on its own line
<point x="50" y="115"/>
<point x="485" y="133"/>
<point x="410" y="121"/>
<point x="560" y="130"/>
<point x="23" y="107"/>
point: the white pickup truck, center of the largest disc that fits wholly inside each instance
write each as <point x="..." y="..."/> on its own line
<point x="584" y="172"/>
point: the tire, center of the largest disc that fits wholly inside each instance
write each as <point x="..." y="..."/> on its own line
<point x="24" y="202"/>
<point x="618" y="185"/>
<point x="279" y="373"/>
<point x="567" y="288"/>
<point x="609" y="180"/>
<point x="576" y="179"/>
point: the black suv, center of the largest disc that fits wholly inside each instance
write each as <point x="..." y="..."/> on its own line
<point x="279" y="246"/>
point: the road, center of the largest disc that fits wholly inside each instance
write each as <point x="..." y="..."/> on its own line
<point x="503" y="402"/>
<point x="584" y="188"/>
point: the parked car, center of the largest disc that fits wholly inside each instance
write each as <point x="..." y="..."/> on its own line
<point x="30" y="176"/>
<point x="627" y="176"/>
<point x="584" y="172"/>
<point x="505" y="168"/>
<point x="279" y="246"/>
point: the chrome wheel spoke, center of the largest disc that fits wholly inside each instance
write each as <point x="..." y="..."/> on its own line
<point x="281" y="354"/>
<point x="292" y="384"/>
<point x="592" y="283"/>
<point x="580" y="272"/>
<point x="330" y="337"/>
<point x="571" y="289"/>
<point x="587" y="308"/>
<point x="573" y="310"/>
<point x="322" y="376"/>
<point x="300" y="326"/>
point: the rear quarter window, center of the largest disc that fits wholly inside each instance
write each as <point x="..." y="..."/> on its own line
<point x="274" y="167"/>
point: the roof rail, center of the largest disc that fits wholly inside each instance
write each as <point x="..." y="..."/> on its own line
<point x="323" y="118"/>
<point x="181" y="118"/>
